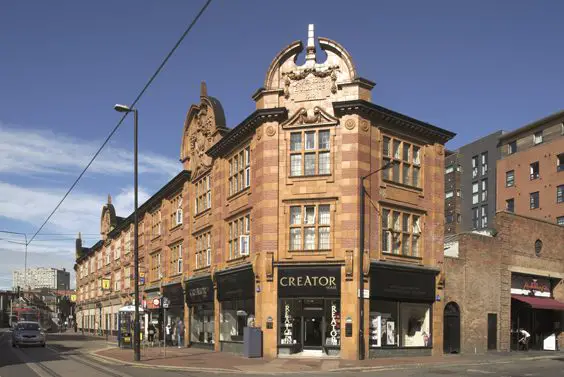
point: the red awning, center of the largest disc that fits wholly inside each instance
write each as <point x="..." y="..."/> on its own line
<point x="540" y="302"/>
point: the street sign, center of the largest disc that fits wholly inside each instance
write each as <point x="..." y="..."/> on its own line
<point x="166" y="302"/>
<point x="156" y="302"/>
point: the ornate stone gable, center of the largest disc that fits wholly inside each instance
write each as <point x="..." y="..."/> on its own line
<point x="315" y="117"/>
<point x="204" y="126"/>
<point x="108" y="219"/>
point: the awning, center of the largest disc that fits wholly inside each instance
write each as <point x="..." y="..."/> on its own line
<point x="540" y="302"/>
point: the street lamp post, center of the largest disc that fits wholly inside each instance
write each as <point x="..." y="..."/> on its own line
<point x="362" y="193"/>
<point x="25" y="256"/>
<point x="136" y="328"/>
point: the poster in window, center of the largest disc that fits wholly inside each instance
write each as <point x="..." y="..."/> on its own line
<point x="390" y="333"/>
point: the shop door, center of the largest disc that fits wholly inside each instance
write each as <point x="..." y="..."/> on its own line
<point x="451" y="328"/>
<point x="492" y="331"/>
<point x="312" y="320"/>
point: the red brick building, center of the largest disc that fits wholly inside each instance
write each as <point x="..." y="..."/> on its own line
<point x="499" y="281"/>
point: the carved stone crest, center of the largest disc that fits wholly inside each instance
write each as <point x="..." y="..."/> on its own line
<point x="270" y="131"/>
<point x="300" y="74"/>
<point x="305" y="117"/>
<point x="364" y="125"/>
<point x="350" y="124"/>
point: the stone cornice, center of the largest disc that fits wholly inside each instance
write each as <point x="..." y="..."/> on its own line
<point x="407" y="124"/>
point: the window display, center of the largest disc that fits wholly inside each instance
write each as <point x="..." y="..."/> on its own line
<point x="290" y="322"/>
<point x="333" y="323"/>
<point x="236" y="315"/>
<point x="411" y="328"/>
<point x="202" y="325"/>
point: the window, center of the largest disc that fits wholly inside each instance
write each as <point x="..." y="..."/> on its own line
<point x="512" y="147"/>
<point x="156" y="272"/>
<point x="310" y="153"/>
<point x="560" y="162"/>
<point x="127" y="246"/>
<point x="310" y="227"/>
<point x="484" y="190"/>
<point x="458" y="192"/>
<point x="560" y="220"/>
<point x="560" y="194"/>
<point x="474" y="166"/>
<point x="450" y="169"/>
<point x="234" y="318"/>
<point x="176" y="210"/>
<point x="203" y="250"/>
<point x="98" y="262"/>
<point x="537" y="138"/>
<point x="510" y="178"/>
<point x="401" y="233"/>
<point x="117" y="253"/>
<point x="176" y="259"/>
<point x="203" y="195"/>
<point x="141" y="234"/>
<point x="449" y="194"/>
<point x="239" y="231"/>
<point x="108" y="256"/>
<point x="534" y="200"/>
<point x="510" y="205"/>
<point x="484" y="163"/>
<point x="475" y="217"/>
<point x="475" y="193"/>
<point x="534" y="170"/>
<point x="400" y="324"/>
<point x="484" y="221"/>
<point x="407" y="162"/>
<point x="239" y="172"/>
<point x="117" y="281"/>
<point x="156" y="223"/>
<point x="449" y="219"/>
<point x="127" y="277"/>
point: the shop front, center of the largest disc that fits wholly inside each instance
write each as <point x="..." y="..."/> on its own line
<point x="401" y="299"/>
<point x="175" y="310"/>
<point x="309" y="310"/>
<point x="236" y="296"/>
<point x="534" y="310"/>
<point x="200" y="299"/>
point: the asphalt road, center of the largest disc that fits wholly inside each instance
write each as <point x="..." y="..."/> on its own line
<point x="63" y="358"/>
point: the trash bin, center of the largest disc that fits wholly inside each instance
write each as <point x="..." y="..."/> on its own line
<point x="252" y="342"/>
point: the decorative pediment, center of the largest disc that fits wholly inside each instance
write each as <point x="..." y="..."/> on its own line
<point x="315" y="117"/>
<point x="204" y="125"/>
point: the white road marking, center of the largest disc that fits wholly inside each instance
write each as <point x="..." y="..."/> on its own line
<point x="31" y="364"/>
<point x="479" y="371"/>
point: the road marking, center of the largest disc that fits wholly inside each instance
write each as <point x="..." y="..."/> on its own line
<point x="479" y="371"/>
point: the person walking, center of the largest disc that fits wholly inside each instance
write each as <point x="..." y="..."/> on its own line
<point x="151" y="331"/>
<point x="180" y="333"/>
<point x="524" y="341"/>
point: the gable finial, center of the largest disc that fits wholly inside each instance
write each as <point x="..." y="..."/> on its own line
<point x="310" y="49"/>
<point x="109" y="199"/>
<point x="203" y="89"/>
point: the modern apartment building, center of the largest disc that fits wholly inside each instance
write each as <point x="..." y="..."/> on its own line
<point x="470" y="185"/>
<point x="41" y="277"/>
<point x="530" y="173"/>
<point x="261" y="229"/>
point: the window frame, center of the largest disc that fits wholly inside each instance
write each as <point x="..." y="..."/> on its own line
<point x="176" y="258"/>
<point x="484" y="216"/>
<point x="156" y="266"/>
<point x="560" y="220"/>
<point x="239" y="171"/>
<point x="203" y="250"/>
<point x="475" y="164"/>
<point x="538" y="137"/>
<point x="389" y="227"/>
<point x="560" y="162"/>
<point x="508" y="207"/>
<point x="510" y="183"/>
<point x="397" y="156"/>
<point x="304" y="151"/>
<point x="237" y="227"/>
<point x="560" y="194"/>
<point x="156" y="224"/>
<point x="175" y="209"/>
<point x="475" y="192"/>
<point x="532" y="173"/>
<point x="512" y="147"/>
<point x="316" y="225"/>
<point x="484" y="190"/>
<point x="484" y="163"/>
<point x="202" y="200"/>
<point x="534" y="200"/>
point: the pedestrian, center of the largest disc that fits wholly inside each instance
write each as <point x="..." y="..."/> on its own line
<point x="151" y="334"/>
<point x="524" y="341"/>
<point x="168" y="334"/>
<point x="180" y="333"/>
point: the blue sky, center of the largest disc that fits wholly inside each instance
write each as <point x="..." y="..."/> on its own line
<point x="470" y="67"/>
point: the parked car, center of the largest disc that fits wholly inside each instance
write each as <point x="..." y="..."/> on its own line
<point x="28" y="333"/>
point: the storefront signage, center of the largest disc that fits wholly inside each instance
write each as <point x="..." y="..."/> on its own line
<point x="401" y="284"/>
<point x="237" y="285"/>
<point x="527" y="285"/>
<point x="309" y="282"/>
<point x="199" y="290"/>
<point x="175" y="294"/>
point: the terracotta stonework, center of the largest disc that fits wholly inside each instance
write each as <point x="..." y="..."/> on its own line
<point x="295" y="163"/>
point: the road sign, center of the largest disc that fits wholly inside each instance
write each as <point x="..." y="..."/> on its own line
<point x="156" y="302"/>
<point x="166" y="302"/>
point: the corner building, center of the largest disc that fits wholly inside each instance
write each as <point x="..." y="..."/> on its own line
<point x="273" y="213"/>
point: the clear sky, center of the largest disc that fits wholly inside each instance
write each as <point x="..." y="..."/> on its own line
<point x="471" y="67"/>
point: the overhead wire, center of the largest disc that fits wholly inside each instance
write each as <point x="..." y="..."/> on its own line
<point x="163" y="63"/>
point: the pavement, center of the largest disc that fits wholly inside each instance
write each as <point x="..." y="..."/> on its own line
<point x="70" y="354"/>
<point x="200" y="360"/>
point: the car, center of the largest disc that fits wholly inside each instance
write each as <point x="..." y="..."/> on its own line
<point x="28" y="333"/>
